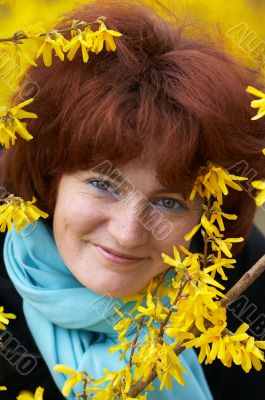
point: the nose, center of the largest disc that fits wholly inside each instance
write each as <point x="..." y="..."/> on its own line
<point x="126" y="227"/>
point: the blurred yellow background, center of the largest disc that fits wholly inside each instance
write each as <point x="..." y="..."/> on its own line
<point x="243" y="22"/>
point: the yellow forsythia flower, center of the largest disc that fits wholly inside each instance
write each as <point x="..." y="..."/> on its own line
<point x="84" y="40"/>
<point x="217" y="214"/>
<point x="10" y="123"/>
<point x="53" y="41"/>
<point x="225" y="245"/>
<point x="260" y="198"/>
<point x="73" y="379"/>
<point x="89" y="40"/>
<point x="26" y="395"/>
<point x="123" y="345"/>
<point x="104" y="35"/>
<point x="169" y="365"/>
<point x="260" y="185"/>
<point x="218" y="263"/>
<point x="175" y="262"/>
<point x="20" y="212"/>
<point x="161" y="356"/>
<point x="257" y="103"/>
<point x="3" y="388"/>
<point x="102" y="394"/>
<point x="4" y="318"/>
<point x="123" y="325"/>
<point x="215" y="183"/>
<point x="119" y="381"/>
<point x="155" y="311"/>
<point x="207" y="225"/>
<point x="237" y="347"/>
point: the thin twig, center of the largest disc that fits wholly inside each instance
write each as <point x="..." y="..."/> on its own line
<point x="206" y="237"/>
<point x="244" y="282"/>
<point x="163" y="324"/>
<point x="17" y="37"/>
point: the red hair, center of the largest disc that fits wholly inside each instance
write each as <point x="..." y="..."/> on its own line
<point x="165" y="94"/>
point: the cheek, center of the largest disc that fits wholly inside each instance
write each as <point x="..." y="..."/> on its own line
<point x="74" y="225"/>
<point x="181" y="227"/>
<point x="77" y="217"/>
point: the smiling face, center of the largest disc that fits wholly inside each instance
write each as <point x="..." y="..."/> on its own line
<point x="111" y="235"/>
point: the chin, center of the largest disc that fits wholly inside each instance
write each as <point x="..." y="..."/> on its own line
<point x="106" y="289"/>
<point x="115" y="293"/>
<point x="111" y="284"/>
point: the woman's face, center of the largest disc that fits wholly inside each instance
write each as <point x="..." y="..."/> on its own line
<point x="111" y="230"/>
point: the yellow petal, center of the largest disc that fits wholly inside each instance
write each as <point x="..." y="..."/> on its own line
<point x="260" y="344"/>
<point x="258" y="116"/>
<point x="85" y="54"/>
<point x="258" y="103"/>
<point x="110" y="43"/>
<point x="25" y="114"/>
<point x="47" y="55"/>
<point x="24" y="103"/>
<point x="256" y="362"/>
<point x="64" y="369"/>
<point x="20" y="128"/>
<point x="73" y="51"/>
<point x="25" y="395"/>
<point x="114" y="33"/>
<point x="242" y="328"/>
<point x="256" y="92"/>
<point x="69" y="384"/>
<point x="189" y="235"/>
<point x="260" y="185"/>
<point x="39" y="393"/>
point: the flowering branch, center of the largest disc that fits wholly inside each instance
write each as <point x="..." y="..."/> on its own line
<point x="16" y="210"/>
<point x="20" y="35"/>
<point x="247" y="279"/>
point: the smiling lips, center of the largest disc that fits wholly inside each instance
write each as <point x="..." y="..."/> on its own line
<point x="116" y="257"/>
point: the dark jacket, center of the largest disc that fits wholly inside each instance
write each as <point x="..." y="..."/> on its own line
<point x="22" y="366"/>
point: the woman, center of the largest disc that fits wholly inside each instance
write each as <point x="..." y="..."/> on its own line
<point x="117" y="146"/>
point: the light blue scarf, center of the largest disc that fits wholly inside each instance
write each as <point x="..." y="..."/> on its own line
<point x="71" y="324"/>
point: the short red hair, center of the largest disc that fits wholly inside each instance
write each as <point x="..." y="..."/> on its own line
<point x="176" y="97"/>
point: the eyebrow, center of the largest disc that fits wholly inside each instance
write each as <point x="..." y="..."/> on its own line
<point x="117" y="177"/>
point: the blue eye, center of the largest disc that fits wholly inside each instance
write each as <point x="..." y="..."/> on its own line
<point x="170" y="204"/>
<point x="103" y="186"/>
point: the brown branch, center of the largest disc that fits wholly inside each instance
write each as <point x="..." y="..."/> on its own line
<point x="139" y="326"/>
<point x="245" y="281"/>
<point x="163" y="324"/>
<point x="206" y="236"/>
